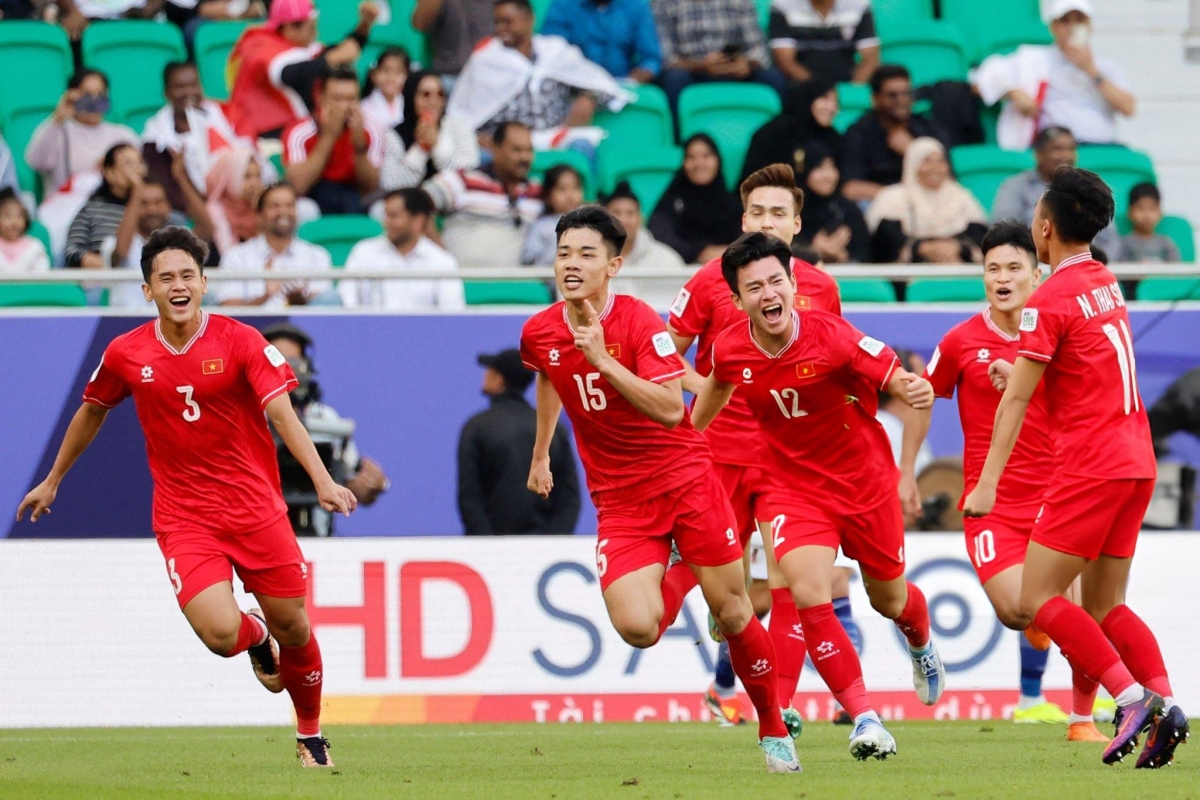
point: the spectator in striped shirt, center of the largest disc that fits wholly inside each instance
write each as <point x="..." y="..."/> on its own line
<point x="334" y="156"/>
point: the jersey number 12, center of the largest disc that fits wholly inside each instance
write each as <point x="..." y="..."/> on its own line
<point x="1123" y="343"/>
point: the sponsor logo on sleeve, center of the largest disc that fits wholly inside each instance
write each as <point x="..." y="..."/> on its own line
<point x="1029" y="319"/>
<point x="664" y="345"/>
<point x="681" y="302"/>
<point x="274" y="356"/>
<point x="872" y="346"/>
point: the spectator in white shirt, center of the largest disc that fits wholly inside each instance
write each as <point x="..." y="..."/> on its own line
<point x="278" y="249"/>
<point x="383" y="94"/>
<point x="406" y="215"/>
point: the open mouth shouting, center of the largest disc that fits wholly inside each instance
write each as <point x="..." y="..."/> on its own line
<point x="773" y="313"/>
<point x="1003" y="293"/>
<point x="181" y="302"/>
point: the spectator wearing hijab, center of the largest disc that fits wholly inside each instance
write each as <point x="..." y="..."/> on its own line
<point x="807" y="118"/>
<point x="830" y="223"/>
<point x="234" y="184"/>
<point x="928" y="217"/>
<point x="427" y="141"/>
<point x="697" y="216"/>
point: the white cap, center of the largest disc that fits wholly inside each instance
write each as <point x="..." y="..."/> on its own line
<point x="1057" y="9"/>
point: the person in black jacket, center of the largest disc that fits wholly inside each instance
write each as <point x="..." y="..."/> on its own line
<point x="494" y="452"/>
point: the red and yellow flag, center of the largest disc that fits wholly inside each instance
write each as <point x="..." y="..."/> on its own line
<point x="803" y="303"/>
<point x="806" y="370"/>
<point x="213" y="366"/>
<point x="614" y="350"/>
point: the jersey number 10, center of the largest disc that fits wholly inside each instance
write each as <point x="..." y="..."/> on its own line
<point x="1123" y="343"/>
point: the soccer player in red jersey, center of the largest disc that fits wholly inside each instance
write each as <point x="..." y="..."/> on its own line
<point x="975" y="359"/>
<point x="703" y="309"/>
<point x="201" y="383"/>
<point x="1075" y="333"/>
<point x="811" y="380"/>
<point x="609" y="361"/>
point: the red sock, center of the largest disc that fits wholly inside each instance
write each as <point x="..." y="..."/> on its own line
<point x="676" y="583"/>
<point x="248" y="635"/>
<point x="1083" y="693"/>
<point x="913" y="621"/>
<point x="1082" y="642"/>
<point x="1138" y="649"/>
<point x="834" y="657"/>
<point x="303" y="673"/>
<point x="754" y="662"/>
<point x="787" y="635"/>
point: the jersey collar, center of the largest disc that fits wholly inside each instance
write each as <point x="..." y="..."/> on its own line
<point x="199" y="332"/>
<point x="603" y="312"/>
<point x="1082" y="258"/>
<point x="790" y="342"/>
<point x="994" y="328"/>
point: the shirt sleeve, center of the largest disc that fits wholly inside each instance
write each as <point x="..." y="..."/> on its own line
<point x="528" y="353"/>
<point x="779" y="31"/>
<point x="943" y="367"/>
<point x="720" y="360"/>
<point x="861" y="354"/>
<point x="265" y="368"/>
<point x="865" y="35"/>
<point x="106" y="388"/>
<point x="655" y="356"/>
<point x="690" y="312"/>
<point x="295" y="149"/>
<point x="1042" y="328"/>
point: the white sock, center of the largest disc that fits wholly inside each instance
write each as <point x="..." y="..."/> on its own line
<point x="1168" y="704"/>
<point x="262" y="630"/>
<point x="1026" y="703"/>
<point x="300" y="735"/>
<point x="1073" y="718"/>
<point x="1131" y="695"/>
<point x="866" y="715"/>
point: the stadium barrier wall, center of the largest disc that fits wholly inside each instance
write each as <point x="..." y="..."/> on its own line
<point x="427" y="630"/>
<point x="410" y="382"/>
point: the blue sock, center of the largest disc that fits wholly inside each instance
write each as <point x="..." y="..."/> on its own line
<point x="841" y="610"/>
<point x="1033" y="666"/>
<point x="724" y="673"/>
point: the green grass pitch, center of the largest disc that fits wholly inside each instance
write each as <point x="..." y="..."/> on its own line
<point x="991" y="758"/>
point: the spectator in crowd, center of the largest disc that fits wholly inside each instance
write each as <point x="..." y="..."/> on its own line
<point x="75" y="137"/>
<point x="383" y="94"/>
<point x="453" y="28"/>
<point x="19" y="252"/>
<point x="1062" y="84"/>
<point x="276" y="67"/>
<point x="1018" y="196"/>
<point x="17" y="9"/>
<point x="619" y="35"/>
<point x="407" y="214"/>
<point x="543" y="82"/>
<point x="76" y="15"/>
<point x="490" y="209"/>
<point x="697" y="216"/>
<point x="807" y="118"/>
<point x="1144" y="244"/>
<point x="334" y="156"/>
<point x="8" y="168"/>
<point x="821" y="39"/>
<point x="928" y="217"/>
<point x="277" y="249"/>
<point x="330" y="432"/>
<point x="234" y="185"/>
<point x="829" y="223"/>
<point x="427" y="141"/>
<point x="146" y="212"/>
<point x="641" y="251"/>
<point x="494" y="450"/>
<point x="562" y="191"/>
<point x="191" y="14"/>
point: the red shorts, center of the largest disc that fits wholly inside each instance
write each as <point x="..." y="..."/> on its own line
<point x="744" y="486"/>
<point x="999" y="540"/>
<point x="635" y="535"/>
<point x="267" y="560"/>
<point x="1090" y="517"/>
<point x="874" y="538"/>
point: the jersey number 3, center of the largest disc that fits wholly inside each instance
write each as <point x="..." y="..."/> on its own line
<point x="192" y="413"/>
<point x="1122" y="342"/>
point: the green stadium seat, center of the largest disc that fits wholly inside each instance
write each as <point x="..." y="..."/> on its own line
<point x="399" y="32"/>
<point x="64" y="295"/>
<point x="213" y="42"/>
<point x="997" y="27"/>
<point x="900" y="11"/>
<point x="1120" y="167"/>
<point x="1169" y="289"/>
<point x="866" y="290"/>
<point x="132" y="54"/>
<point x="540" y="7"/>
<point x="764" y="13"/>
<point x="1177" y="228"/>
<point x="983" y="167"/>
<point x="523" y="293"/>
<point x="730" y="113"/>
<point x="1004" y="39"/>
<point x="545" y="159"/>
<point x="18" y="127"/>
<point x="647" y="120"/>
<point x="338" y="233"/>
<point x="337" y="19"/>
<point x="649" y="171"/>
<point x="945" y="290"/>
<point x="854" y="99"/>
<point x="35" y="59"/>
<point x="932" y="50"/>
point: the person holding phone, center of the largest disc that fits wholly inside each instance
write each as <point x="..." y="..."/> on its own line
<point x="426" y="141"/>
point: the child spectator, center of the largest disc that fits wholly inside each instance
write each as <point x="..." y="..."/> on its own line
<point x="562" y="192"/>
<point x="19" y="252"/>
<point x="383" y="94"/>
<point x="1142" y="244"/>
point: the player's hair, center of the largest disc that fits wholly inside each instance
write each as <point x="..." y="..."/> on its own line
<point x="524" y="5"/>
<point x="79" y="77"/>
<point x="7" y="195"/>
<point x="595" y="218"/>
<point x="176" y="66"/>
<point x="172" y="237"/>
<point x="806" y="253"/>
<point x="274" y="187"/>
<point x="506" y="127"/>
<point x="1144" y="190"/>
<point x="886" y="72"/>
<point x="777" y="175"/>
<point x="1011" y="233"/>
<point x="751" y="247"/>
<point x="1047" y="135"/>
<point x="1079" y="204"/>
<point x="415" y="199"/>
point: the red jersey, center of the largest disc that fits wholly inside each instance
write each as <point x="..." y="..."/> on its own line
<point x="301" y="137"/>
<point x="211" y="453"/>
<point x="815" y="402"/>
<point x="621" y="448"/>
<point x="703" y="308"/>
<point x="961" y="363"/>
<point x="1077" y="324"/>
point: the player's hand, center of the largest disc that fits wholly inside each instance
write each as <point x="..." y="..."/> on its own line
<point x="920" y="391"/>
<point x="336" y="499"/>
<point x="541" y="481"/>
<point x="38" y="501"/>
<point x="589" y="338"/>
<point x="910" y="495"/>
<point x="999" y="372"/>
<point x="980" y="501"/>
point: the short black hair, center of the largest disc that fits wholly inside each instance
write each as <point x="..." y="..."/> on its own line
<point x="172" y="237"/>
<point x="805" y="253"/>
<point x="7" y="195"/>
<point x="262" y="198"/>
<point x="597" y="219"/>
<point x="524" y="5"/>
<point x="886" y="72"/>
<point x="751" y="247"/>
<point x="1144" y="190"/>
<point x="1046" y="135"/>
<point x="1011" y="233"/>
<point x="622" y="191"/>
<point x="1079" y="203"/>
<point x="342" y="72"/>
<point x="416" y="200"/>
<point x="176" y="66"/>
<point x="80" y="76"/>
<point x="502" y="130"/>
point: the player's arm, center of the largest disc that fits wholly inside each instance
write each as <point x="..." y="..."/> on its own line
<point x="711" y="398"/>
<point x="916" y="428"/>
<point x="549" y="406"/>
<point x="692" y="380"/>
<point x="80" y="433"/>
<point x="911" y="388"/>
<point x="291" y="430"/>
<point x="1026" y="374"/>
